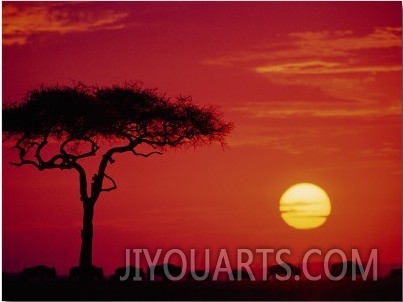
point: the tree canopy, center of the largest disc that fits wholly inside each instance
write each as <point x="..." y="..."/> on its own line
<point x="81" y="113"/>
<point x="123" y="111"/>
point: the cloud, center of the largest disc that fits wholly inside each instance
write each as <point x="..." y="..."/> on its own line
<point x="289" y="144"/>
<point x="323" y="67"/>
<point x="333" y="146"/>
<point x="304" y="46"/>
<point x="342" y="65"/>
<point x="289" y="138"/>
<point x="303" y="127"/>
<point x="22" y="21"/>
<point x="341" y="43"/>
<point x="306" y="109"/>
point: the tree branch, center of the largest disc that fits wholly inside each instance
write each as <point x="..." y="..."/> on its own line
<point x="22" y="153"/>
<point x="146" y="154"/>
<point x="38" y="151"/>
<point x="92" y="152"/>
<point x="113" y="187"/>
<point x="68" y="161"/>
<point x="24" y="161"/>
<point x="96" y="187"/>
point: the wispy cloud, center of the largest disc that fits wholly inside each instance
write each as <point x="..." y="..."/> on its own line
<point x="302" y="127"/>
<point x="334" y="145"/>
<point x="341" y="43"/>
<point x="322" y="67"/>
<point x="22" y="21"/>
<point x="308" y="110"/>
<point x="288" y="138"/>
<point x="343" y="65"/>
<point x="306" y="45"/>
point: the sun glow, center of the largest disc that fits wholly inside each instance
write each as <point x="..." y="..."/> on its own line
<point x="305" y="206"/>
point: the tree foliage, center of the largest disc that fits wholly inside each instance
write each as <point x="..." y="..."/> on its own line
<point x="81" y="114"/>
<point x="126" y="111"/>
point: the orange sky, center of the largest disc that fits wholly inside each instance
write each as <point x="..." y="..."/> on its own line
<point x="314" y="90"/>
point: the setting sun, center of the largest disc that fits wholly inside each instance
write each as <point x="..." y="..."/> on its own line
<point x="305" y="206"/>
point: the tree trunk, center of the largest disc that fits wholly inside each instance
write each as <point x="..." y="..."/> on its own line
<point x="86" y="238"/>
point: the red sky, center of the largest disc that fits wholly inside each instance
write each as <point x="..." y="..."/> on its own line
<point x="314" y="90"/>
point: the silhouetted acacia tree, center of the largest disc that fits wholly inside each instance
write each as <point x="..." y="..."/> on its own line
<point x="56" y="127"/>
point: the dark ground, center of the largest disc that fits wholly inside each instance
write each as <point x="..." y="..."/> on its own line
<point x="381" y="290"/>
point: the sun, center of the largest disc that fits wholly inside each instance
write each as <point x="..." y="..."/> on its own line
<point x="305" y="206"/>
